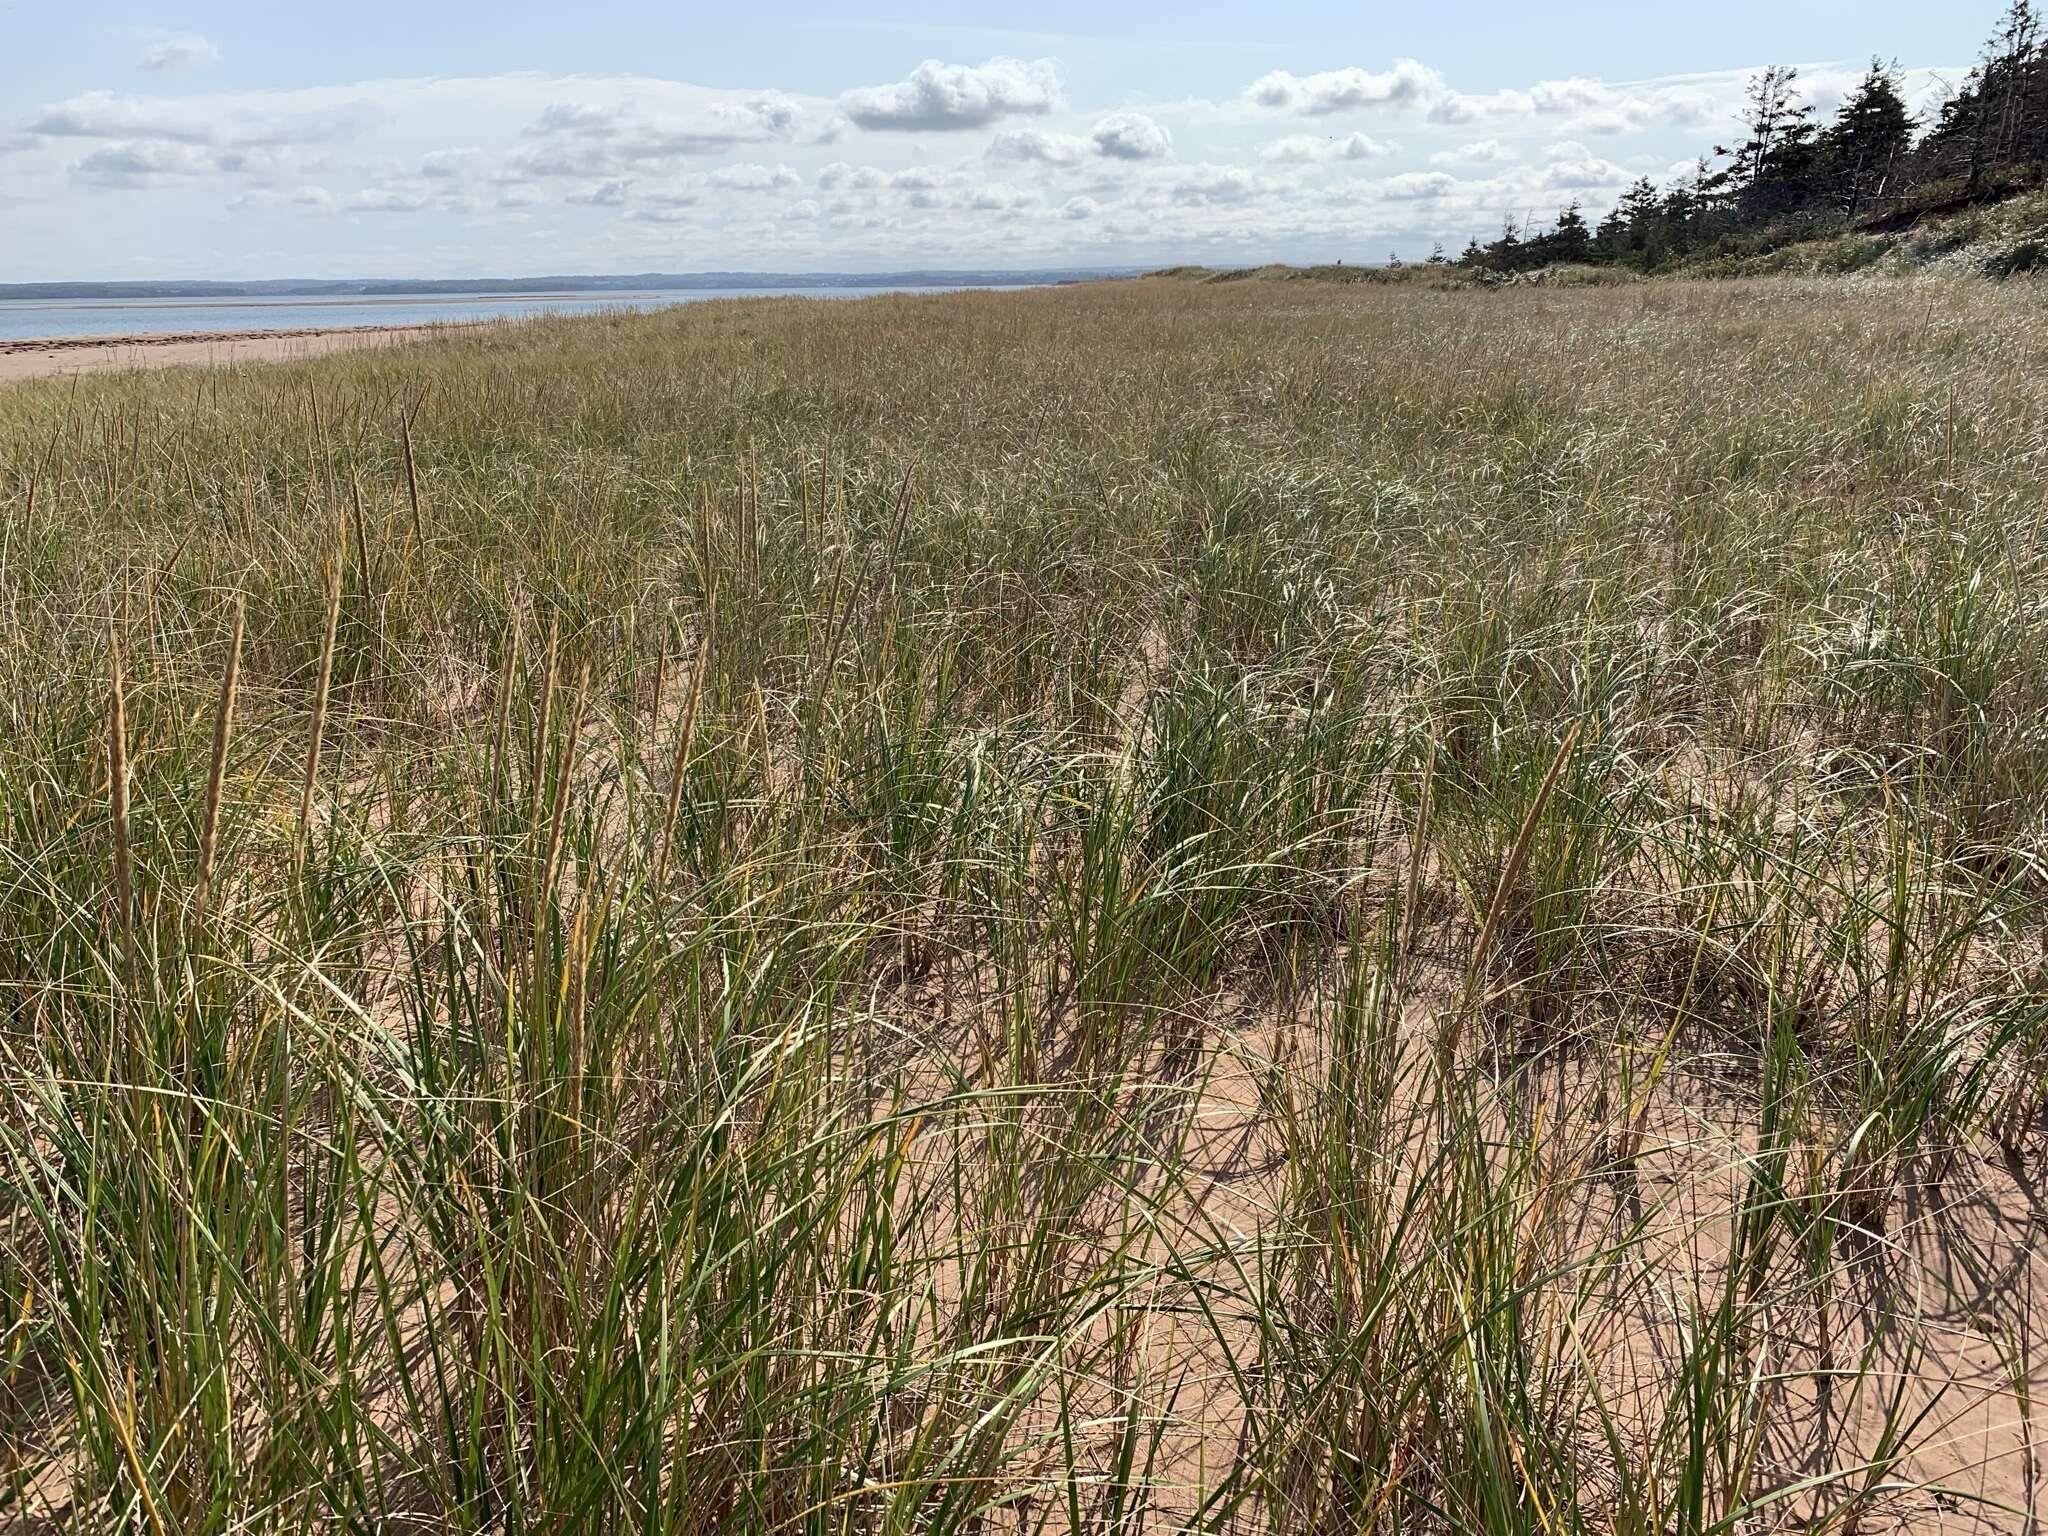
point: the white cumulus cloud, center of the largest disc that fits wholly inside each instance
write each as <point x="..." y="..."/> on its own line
<point x="1417" y="186"/>
<point x="754" y="178"/>
<point x="1131" y="136"/>
<point x="1478" y="152"/>
<point x="1307" y="148"/>
<point x="1040" y="145"/>
<point x="1211" y="185"/>
<point x="839" y="176"/>
<point x="1570" y="167"/>
<point x="948" y="97"/>
<point x="1408" y="83"/>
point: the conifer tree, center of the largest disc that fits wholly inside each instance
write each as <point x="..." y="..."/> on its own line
<point x="1629" y="233"/>
<point x="1768" y="172"/>
<point x="1860" y="152"/>
<point x="1989" y="138"/>
<point x="1571" y="239"/>
<point x="2016" y="46"/>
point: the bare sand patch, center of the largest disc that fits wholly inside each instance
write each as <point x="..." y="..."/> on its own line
<point x="99" y="354"/>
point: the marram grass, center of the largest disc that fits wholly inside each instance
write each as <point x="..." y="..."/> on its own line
<point x="1137" y="908"/>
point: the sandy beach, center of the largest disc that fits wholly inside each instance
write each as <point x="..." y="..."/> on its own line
<point x="97" y="354"/>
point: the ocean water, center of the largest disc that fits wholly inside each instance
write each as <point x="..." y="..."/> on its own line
<point x="30" y="319"/>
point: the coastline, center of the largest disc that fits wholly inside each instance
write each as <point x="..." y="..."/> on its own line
<point x="42" y="356"/>
<point x="339" y="301"/>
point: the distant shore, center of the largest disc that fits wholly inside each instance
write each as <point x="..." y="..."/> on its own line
<point x="97" y="354"/>
<point x="339" y="301"/>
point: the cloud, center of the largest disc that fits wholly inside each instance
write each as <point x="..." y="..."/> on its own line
<point x="1131" y="136"/>
<point x="608" y="194"/>
<point x="997" y="199"/>
<point x="1478" y="152"/>
<point x="564" y="160"/>
<point x="1602" y="108"/>
<point x="178" y="50"/>
<point x="385" y="200"/>
<point x="1202" y="186"/>
<point x="1416" y="187"/>
<point x="317" y="198"/>
<point x="1307" y="148"/>
<point x="1586" y="105"/>
<point x="948" y="97"/>
<point x="611" y="160"/>
<point x="1591" y="106"/>
<point x="226" y="122"/>
<point x="142" y="164"/>
<point x="1571" y="167"/>
<point x="587" y="119"/>
<point x="754" y="178"/>
<point x="840" y="176"/>
<point x="1408" y="83"/>
<point x="583" y="139"/>
<point x="1039" y="145"/>
<point x="1125" y="136"/>
<point x="450" y="164"/>
<point x="923" y="188"/>
<point x="134" y="165"/>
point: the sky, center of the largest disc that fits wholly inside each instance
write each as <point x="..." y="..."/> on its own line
<point x="444" y="138"/>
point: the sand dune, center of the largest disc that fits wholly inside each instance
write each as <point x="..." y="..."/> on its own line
<point x="96" y="354"/>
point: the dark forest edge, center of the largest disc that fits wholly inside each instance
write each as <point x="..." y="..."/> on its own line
<point x="1874" y="188"/>
<point x="1873" y="170"/>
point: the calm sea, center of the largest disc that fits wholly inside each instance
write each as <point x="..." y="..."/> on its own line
<point x="26" y="319"/>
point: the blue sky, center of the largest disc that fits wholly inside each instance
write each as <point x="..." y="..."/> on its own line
<point x="445" y="137"/>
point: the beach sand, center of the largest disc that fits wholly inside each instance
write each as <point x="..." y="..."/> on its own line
<point x="97" y="354"/>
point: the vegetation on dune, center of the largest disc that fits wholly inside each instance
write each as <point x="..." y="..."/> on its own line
<point x="1998" y="241"/>
<point x="1858" y="180"/>
<point x="1151" y="906"/>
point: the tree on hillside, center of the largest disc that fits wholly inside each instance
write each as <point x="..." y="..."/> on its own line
<point x="1684" y="214"/>
<point x="1769" y="170"/>
<point x="1572" y="238"/>
<point x="1999" y="118"/>
<point x="1508" y="253"/>
<point x="1787" y="171"/>
<point x="1860" y="153"/>
<point x="1629" y="233"/>
<point x="2016" y="46"/>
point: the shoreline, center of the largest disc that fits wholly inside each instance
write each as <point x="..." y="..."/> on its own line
<point x="29" y="357"/>
<point x="42" y="356"/>
<point x="340" y="301"/>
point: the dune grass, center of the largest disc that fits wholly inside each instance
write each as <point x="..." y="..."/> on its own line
<point x="1145" y="907"/>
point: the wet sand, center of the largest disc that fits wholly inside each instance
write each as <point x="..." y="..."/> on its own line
<point x="98" y="354"/>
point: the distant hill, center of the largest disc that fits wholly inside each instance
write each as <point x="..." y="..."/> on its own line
<point x="634" y="282"/>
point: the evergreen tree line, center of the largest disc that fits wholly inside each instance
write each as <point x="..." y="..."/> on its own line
<point x="1791" y="177"/>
